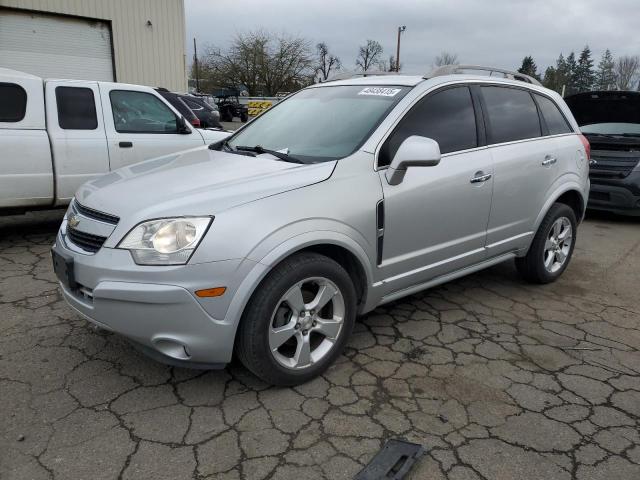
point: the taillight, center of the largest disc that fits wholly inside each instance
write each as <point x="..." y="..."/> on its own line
<point x="195" y="122"/>
<point x="587" y="146"/>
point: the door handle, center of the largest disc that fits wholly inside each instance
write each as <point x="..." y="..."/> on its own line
<point x="125" y="144"/>
<point x="549" y="160"/>
<point x="480" y="177"/>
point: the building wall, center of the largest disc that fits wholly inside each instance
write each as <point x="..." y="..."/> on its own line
<point x="147" y="55"/>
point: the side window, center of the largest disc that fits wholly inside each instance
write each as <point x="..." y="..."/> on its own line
<point x="13" y="102"/>
<point x="512" y="114"/>
<point x="192" y="105"/>
<point x="446" y="116"/>
<point x="76" y="108"/>
<point x="141" y="112"/>
<point x="553" y="117"/>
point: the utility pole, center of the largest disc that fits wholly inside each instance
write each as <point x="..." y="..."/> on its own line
<point x="195" y="64"/>
<point x="400" y="30"/>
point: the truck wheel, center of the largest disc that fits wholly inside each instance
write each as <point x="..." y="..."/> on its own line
<point x="244" y="117"/>
<point x="552" y="246"/>
<point x="298" y="320"/>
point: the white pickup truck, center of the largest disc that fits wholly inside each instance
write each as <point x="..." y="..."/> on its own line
<point x="57" y="134"/>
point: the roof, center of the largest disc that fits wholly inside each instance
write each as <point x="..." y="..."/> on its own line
<point x="7" y="72"/>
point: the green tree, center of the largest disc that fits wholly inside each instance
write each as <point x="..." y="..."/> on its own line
<point x="606" y="75"/>
<point x="570" y="74"/>
<point x="584" y="75"/>
<point x="529" y="67"/>
<point x="550" y="78"/>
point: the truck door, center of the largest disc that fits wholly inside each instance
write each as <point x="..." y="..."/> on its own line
<point x="141" y="125"/>
<point x="76" y="129"/>
<point x="26" y="176"/>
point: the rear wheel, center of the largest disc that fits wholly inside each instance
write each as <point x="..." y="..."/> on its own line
<point x="298" y="320"/>
<point x="552" y="246"/>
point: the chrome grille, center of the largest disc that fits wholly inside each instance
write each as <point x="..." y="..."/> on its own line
<point x="95" y="214"/>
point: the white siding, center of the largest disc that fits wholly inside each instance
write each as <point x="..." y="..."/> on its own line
<point x="147" y="55"/>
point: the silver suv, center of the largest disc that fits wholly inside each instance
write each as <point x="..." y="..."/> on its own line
<point x="347" y="195"/>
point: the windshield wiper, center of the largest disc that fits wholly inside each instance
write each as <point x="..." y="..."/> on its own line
<point x="280" y="155"/>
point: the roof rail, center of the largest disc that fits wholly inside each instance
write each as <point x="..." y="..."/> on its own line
<point x="454" y="69"/>
<point x="348" y="75"/>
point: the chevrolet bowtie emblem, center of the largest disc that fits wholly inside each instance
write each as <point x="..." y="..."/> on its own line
<point x="73" y="221"/>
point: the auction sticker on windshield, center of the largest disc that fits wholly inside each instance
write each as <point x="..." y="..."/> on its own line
<point x="380" y="91"/>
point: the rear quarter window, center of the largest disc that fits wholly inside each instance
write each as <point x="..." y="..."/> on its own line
<point x="13" y="102"/>
<point x="553" y="117"/>
<point x="512" y="114"/>
<point x="76" y="108"/>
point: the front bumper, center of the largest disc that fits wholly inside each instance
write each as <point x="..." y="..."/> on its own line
<point x="620" y="196"/>
<point x="156" y="307"/>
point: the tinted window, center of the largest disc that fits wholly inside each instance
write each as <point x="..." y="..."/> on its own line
<point x="76" y="108"/>
<point x="195" y="106"/>
<point x="446" y="116"/>
<point x="140" y="112"/>
<point x="556" y="123"/>
<point x="512" y="114"/>
<point x="13" y="102"/>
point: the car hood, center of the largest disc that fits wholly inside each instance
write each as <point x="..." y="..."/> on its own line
<point x="195" y="182"/>
<point x="589" y="108"/>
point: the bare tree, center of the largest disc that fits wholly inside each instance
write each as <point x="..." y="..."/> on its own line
<point x="326" y="62"/>
<point x="389" y="65"/>
<point x="446" y="58"/>
<point x="626" y="70"/>
<point x="263" y="62"/>
<point x="369" y="55"/>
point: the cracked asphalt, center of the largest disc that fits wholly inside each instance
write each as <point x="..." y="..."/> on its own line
<point x="496" y="378"/>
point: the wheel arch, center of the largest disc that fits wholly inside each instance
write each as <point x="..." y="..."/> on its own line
<point x="570" y="194"/>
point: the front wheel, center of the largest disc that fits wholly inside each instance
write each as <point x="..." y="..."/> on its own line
<point x="298" y="320"/>
<point x="552" y="246"/>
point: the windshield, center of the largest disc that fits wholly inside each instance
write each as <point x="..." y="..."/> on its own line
<point x="321" y="124"/>
<point x="612" y="128"/>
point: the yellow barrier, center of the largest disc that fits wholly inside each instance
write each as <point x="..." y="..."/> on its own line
<point x="256" y="107"/>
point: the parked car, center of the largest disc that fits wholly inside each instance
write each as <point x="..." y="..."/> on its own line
<point x="345" y="196"/>
<point x="57" y="134"/>
<point x="178" y="103"/>
<point x="611" y="122"/>
<point x="208" y="115"/>
<point x="229" y="105"/>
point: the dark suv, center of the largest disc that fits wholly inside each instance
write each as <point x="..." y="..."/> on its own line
<point x="611" y="122"/>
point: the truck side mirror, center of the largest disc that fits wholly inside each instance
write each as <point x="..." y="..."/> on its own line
<point x="183" y="126"/>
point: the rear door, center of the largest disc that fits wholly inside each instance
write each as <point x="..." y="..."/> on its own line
<point x="140" y="125"/>
<point x="525" y="163"/>
<point x="76" y="129"/>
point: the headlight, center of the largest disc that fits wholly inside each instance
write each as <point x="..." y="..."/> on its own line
<point x="166" y="241"/>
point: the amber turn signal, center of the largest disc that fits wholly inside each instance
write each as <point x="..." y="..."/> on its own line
<point x="211" y="292"/>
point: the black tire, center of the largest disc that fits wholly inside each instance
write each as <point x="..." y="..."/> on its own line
<point x="531" y="267"/>
<point x="244" y="117"/>
<point x="252" y="340"/>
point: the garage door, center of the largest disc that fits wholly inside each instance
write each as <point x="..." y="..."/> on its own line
<point x="54" y="46"/>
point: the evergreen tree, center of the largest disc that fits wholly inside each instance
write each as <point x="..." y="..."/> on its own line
<point x="550" y="79"/>
<point x="584" y="77"/>
<point x="606" y="75"/>
<point x="529" y="67"/>
<point x="570" y="74"/>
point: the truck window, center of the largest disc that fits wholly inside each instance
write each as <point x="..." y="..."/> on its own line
<point x="13" y="102"/>
<point x="141" y="112"/>
<point x="76" y="108"/>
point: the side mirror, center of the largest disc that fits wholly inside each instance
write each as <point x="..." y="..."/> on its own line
<point x="415" y="151"/>
<point x="183" y="126"/>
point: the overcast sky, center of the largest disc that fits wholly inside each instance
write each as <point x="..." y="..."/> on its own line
<point x="491" y="32"/>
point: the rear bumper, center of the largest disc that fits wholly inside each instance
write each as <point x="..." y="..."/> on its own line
<point x="620" y="196"/>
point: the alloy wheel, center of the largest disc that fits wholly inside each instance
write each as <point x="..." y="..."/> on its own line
<point x="558" y="244"/>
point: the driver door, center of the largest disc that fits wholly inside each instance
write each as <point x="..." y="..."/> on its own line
<point x="435" y="220"/>
<point x="140" y="125"/>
